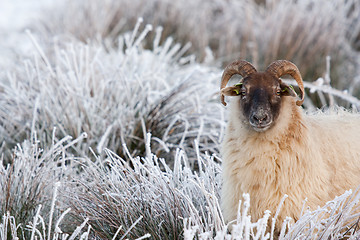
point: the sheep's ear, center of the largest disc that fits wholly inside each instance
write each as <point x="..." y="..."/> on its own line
<point x="287" y="90"/>
<point x="232" y="91"/>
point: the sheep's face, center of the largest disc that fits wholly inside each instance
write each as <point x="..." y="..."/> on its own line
<point x="260" y="99"/>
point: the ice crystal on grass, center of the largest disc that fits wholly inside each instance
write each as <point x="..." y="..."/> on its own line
<point x="120" y="192"/>
<point x="27" y="183"/>
<point x="338" y="218"/>
<point x="115" y="95"/>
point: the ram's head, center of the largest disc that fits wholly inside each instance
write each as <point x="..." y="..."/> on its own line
<point x="261" y="93"/>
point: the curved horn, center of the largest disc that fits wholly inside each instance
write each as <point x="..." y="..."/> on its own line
<point x="240" y="67"/>
<point x="282" y="67"/>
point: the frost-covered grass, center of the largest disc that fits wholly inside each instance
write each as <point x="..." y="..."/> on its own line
<point x="120" y="192"/>
<point x="143" y="198"/>
<point x="29" y="183"/>
<point x="115" y="96"/>
<point x="304" y="32"/>
<point x="146" y="122"/>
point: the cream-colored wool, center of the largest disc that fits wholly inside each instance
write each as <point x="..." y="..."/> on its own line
<point x="315" y="157"/>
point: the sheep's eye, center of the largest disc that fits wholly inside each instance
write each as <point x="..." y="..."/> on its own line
<point x="278" y="92"/>
<point x="243" y="93"/>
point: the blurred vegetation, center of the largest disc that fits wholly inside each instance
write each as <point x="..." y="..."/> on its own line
<point x="304" y="32"/>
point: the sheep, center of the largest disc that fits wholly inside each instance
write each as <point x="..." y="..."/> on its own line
<point x="272" y="147"/>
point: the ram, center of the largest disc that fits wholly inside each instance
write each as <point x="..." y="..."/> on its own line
<point x="272" y="147"/>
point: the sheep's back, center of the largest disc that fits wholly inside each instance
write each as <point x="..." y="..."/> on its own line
<point x="337" y="135"/>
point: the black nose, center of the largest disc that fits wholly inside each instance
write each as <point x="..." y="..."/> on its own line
<point x="260" y="118"/>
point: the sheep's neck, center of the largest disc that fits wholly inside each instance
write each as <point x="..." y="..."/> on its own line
<point x="273" y="167"/>
<point x="273" y="153"/>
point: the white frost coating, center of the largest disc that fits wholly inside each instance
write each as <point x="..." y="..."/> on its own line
<point x="57" y="228"/>
<point x="189" y="231"/>
<point x="78" y="230"/>
<point x="57" y="185"/>
<point x="101" y="143"/>
<point x="304" y="156"/>
<point x="131" y="227"/>
<point x="35" y="221"/>
<point x="117" y="232"/>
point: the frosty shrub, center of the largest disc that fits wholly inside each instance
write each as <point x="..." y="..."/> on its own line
<point x="304" y="32"/>
<point x="115" y="95"/>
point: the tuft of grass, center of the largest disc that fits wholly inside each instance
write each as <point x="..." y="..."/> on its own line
<point x="120" y="192"/>
<point x="27" y="182"/>
<point x="337" y="219"/>
<point x="115" y="95"/>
